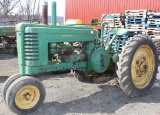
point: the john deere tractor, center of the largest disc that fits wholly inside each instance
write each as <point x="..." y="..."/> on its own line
<point x="7" y="40"/>
<point x="78" y="47"/>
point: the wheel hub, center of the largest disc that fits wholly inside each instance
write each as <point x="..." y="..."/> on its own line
<point x="142" y="66"/>
<point x="27" y="97"/>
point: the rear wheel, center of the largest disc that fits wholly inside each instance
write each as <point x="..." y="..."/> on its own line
<point x="25" y="95"/>
<point x="137" y="66"/>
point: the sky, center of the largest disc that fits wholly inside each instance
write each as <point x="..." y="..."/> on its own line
<point x="60" y="7"/>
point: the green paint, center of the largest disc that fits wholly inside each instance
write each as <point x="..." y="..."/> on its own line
<point x="36" y="43"/>
<point x="42" y="48"/>
<point x="45" y="48"/>
<point x="119" y="31"/>
<point x="53" y="13"/>
<point x="8" y="51"/>
<point x="7" y="31"/>
<point x="115" y="58"/>
<point x="100" y="60"/>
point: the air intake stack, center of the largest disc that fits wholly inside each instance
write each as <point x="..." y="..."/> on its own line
<point x="45" y="12"/>
<point x="53" y="15"/>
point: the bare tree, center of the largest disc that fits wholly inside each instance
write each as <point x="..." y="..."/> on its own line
<point x="31" y="9"/>
<point x="15" y="11"/>
<point x="7" y="7"/>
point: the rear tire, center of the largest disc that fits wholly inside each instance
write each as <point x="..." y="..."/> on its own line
<point x="137" y="66"/>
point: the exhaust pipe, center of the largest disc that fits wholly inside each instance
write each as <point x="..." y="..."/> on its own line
<point x="53" y="14"/>
<point x="45" y="12"/>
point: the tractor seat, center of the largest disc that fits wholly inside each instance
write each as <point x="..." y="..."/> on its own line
<point x="119" y="31"/>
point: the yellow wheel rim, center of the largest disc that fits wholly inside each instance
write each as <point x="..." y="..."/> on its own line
<point x="27" y="97"/>
<point x="142" y="66"/>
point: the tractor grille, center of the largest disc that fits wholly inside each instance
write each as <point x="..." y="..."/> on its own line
<point x="31" y="46"/>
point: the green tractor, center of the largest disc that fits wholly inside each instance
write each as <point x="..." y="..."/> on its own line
<point x="50" y="48"/>
<point x="7" y="40"/>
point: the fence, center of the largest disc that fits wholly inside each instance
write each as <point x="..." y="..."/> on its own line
<point x="13" y="20"/>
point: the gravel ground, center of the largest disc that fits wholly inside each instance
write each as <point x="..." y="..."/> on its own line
<point x="65" y="95"/>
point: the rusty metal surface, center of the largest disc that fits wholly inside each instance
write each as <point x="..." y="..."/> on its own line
<point x="45" y="13"/>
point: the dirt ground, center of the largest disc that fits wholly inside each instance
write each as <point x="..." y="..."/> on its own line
<point x="65" y="95"/>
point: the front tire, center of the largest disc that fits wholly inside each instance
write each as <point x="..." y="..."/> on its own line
<point x="25" y="95"/>
<point x="137" y="66"/>
<point x="7" y="83"/>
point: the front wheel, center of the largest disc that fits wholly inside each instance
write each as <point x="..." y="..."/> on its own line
<point x="25" y="95"/>
<point x="7" y="83"/>
<point x="137" y="66"/>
